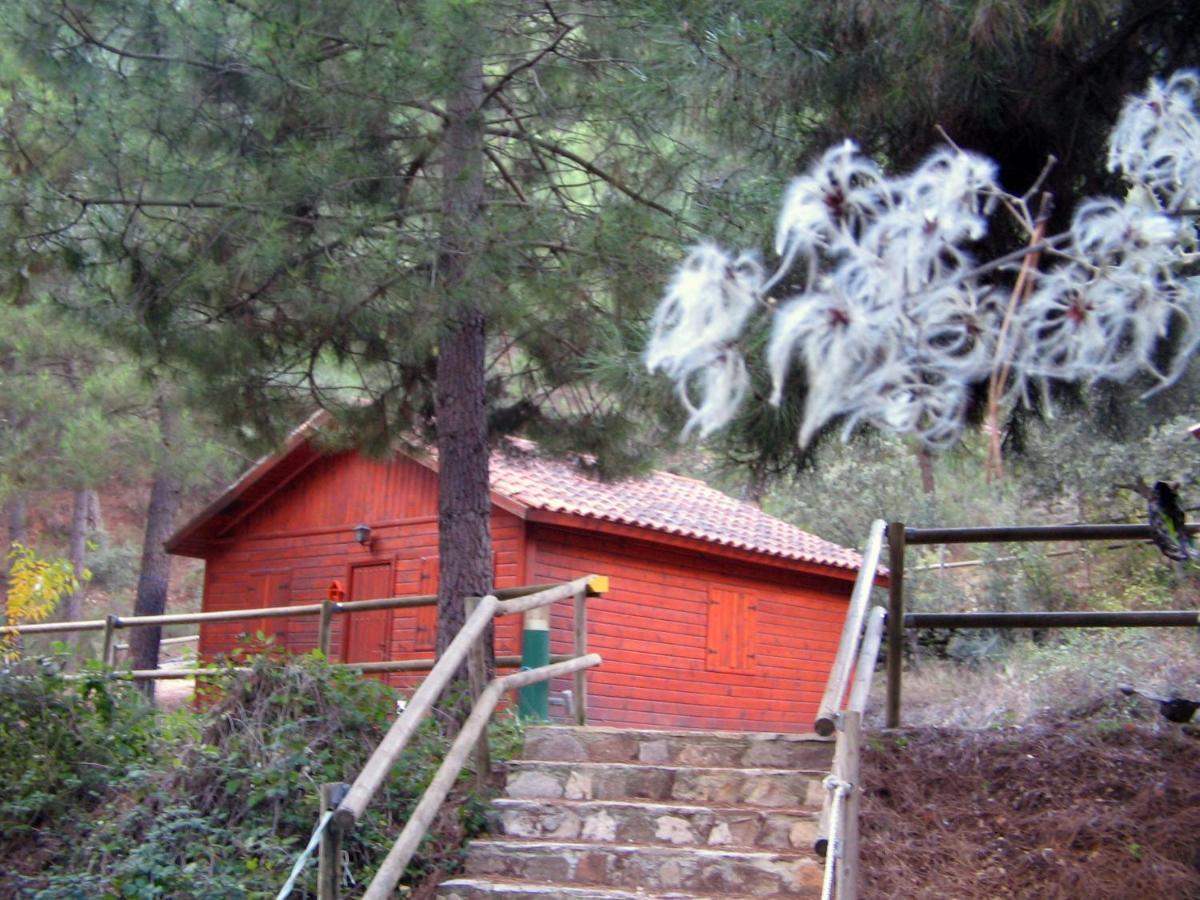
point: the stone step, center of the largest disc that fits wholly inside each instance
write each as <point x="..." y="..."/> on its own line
<point x="655" y="823"/>
<point x="652" y="869"/>
<point x="772" y="788"/>
<point x="473" y="888"/>
<point x="679" y="748"/>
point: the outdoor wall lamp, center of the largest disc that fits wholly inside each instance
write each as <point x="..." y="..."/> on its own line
<point x="362" y="534"/>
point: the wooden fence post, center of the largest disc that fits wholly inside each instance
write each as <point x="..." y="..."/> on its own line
<point x="895" y="620"/>
<point x="581" y="644"/>
<point x="847" y="880"/>
<point x="108" y="655"/>
<point x="329" y="860"/>
<point x="325" y="629"/>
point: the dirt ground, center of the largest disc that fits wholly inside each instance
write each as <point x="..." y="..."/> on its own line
<point x="172" y="693"/>
<point x="1077" y="809"/>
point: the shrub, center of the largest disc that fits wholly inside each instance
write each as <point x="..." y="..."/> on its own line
<point x="218" y="801"/>
<point x="65" y="743"/>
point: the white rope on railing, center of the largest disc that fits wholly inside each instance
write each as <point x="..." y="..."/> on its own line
<point x="840" y="790"/>
<point x="298" y="867"/>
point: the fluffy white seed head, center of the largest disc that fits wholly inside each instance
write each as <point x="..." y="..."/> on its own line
<point x="895" y="326"/>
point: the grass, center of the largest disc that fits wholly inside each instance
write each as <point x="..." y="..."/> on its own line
<point x="1071" y="675"/>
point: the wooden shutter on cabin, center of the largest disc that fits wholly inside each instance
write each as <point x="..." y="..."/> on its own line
<point x="732" y="629"/>
<point x="425" y="637"/>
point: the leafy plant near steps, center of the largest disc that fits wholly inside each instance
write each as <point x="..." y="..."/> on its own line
<point x="215" y="802"/>
<point x="62" y="744"/>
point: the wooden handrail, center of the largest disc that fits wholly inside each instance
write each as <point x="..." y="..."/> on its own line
<point x="419" y="705"/>
<point x="392" y="869"/>
<point x="422" y="700"/>
<point x="843" y="663"/>
<point x="868" y="655"/>
<point x="395" y="665"/>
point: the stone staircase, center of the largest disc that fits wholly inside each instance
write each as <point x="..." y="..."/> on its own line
<point x="598" y="813"/>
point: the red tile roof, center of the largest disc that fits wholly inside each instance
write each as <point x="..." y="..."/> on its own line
<point x="660" y="502"/>
<point x="520" y="479"/>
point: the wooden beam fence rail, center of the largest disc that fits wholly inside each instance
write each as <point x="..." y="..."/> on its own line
<point x="900" y="536"/>
<point x="326" y="610"/>
<point x="843" y="663"/>
<point x="1016" y="534"/>
<point x="395" y="665"/>
<point x="1161" y="618"/>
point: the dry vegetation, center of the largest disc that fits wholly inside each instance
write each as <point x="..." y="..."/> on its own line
<point x="1036" y="777"/>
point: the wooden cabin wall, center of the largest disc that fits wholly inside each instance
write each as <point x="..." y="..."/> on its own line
<point x="289" y="551"/>
<point x="693" y="640"/>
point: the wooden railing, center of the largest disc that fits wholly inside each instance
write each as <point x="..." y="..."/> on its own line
<point x="843" y="662"/>
<point x="466" y="647"/>
<point x="858" y="653"/>
<point x="326" y="610"/>
<point x="837" y="835"/>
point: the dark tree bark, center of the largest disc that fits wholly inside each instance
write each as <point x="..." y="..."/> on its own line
<point x="154" y="579"/>
<point x="18" y="521"/>
<point x="925" y="464"/>
<point x="464" y="503"/>
<point x="73" y="605"/>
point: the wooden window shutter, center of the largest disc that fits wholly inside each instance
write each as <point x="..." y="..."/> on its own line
<point x="732" y="630"/>
<point x="426" y="625"/>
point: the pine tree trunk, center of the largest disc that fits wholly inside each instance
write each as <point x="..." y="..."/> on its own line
<point x="925" y="464"/>
<point x="154" y="580"/>
<point x="464" y="502"/>
<point x="73" y="606"/>
<point x="18" y="521"/>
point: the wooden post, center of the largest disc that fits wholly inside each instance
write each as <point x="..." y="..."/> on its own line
<point x="477" y="673"/>
<point x="108" y="655"/>
<point x="329" y="862"/>
<point x="895" y="620"/>
<point x="581" y="649"/>
<point x="847" y="881"/>
<point x="325" y="630"/>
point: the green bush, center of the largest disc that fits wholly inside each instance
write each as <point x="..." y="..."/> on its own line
<point x="64" y="744"/>
<point x="218" y="802"/>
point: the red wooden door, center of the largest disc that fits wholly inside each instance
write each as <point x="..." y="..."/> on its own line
<point x="369" y="633"/>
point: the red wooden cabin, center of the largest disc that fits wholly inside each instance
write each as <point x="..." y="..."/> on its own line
<point x="718" y="616"/>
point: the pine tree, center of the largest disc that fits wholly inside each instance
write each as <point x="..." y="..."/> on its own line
<point x="452" y="211"/>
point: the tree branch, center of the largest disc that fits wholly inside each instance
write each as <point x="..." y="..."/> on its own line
<point x="508" y="76"/>
<point x="589" y="167"/>
<point x="75" y="23"/>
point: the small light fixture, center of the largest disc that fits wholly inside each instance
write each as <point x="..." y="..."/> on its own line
<point x="362" y="534"/>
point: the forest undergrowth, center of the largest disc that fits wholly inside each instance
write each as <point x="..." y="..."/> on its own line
<point x="110" y="797"/>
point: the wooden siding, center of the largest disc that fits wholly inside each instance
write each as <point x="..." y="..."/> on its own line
<point x="692" y="636"/>
<point x="343" y="490"/>
<point x="654" y="629"/>
<point x="289" y="540"/>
